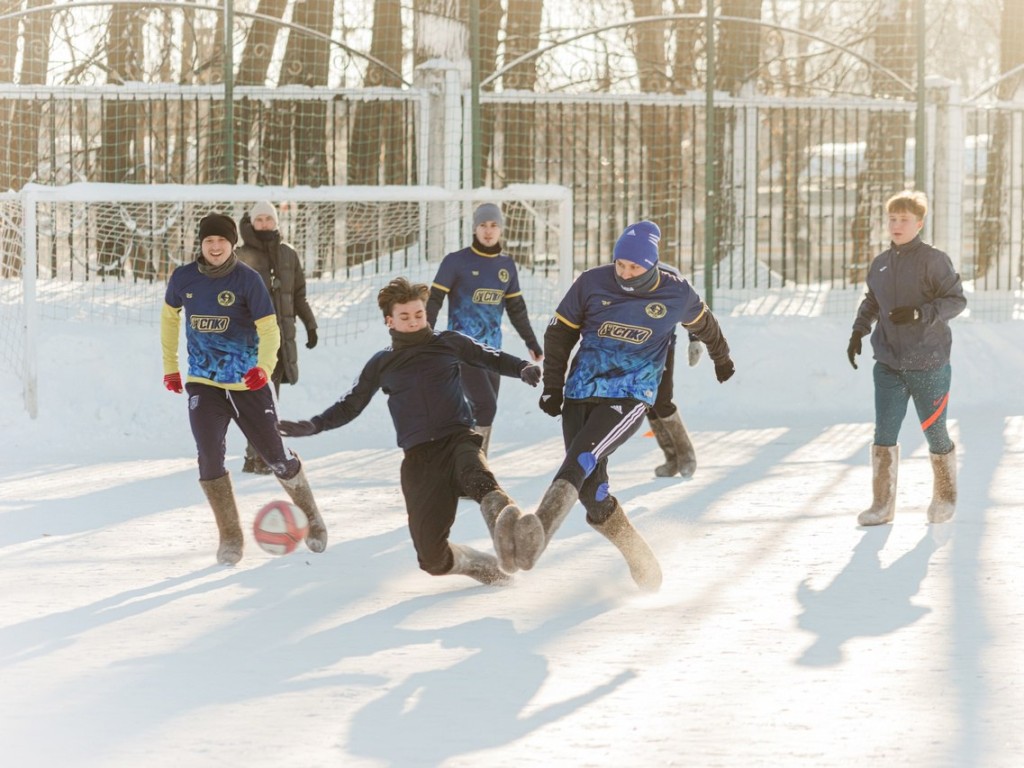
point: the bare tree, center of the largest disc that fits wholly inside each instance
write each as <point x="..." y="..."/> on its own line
<point x="883" y="174"/>
<point x="990" y="227"/>
<point x="252" y="70"/>
<point x="120" y="158"/>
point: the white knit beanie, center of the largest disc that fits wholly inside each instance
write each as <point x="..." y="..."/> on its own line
<point x="263" y="208"/>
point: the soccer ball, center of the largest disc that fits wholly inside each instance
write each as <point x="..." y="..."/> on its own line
<point x="279" y="527"/>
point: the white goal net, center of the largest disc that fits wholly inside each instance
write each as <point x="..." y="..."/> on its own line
<point x="103" y="252"/>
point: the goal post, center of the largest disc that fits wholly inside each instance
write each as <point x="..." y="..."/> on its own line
<point x="101" y="252"/>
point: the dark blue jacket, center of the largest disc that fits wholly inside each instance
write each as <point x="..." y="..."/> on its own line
<point x="911" y="275"/>
<point x="423" y="385"/>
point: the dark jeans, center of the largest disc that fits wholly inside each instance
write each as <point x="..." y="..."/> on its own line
<point x="592" y="431"/>
<point x="930" y="391"/>
<point x="434" y="476"/>
<point x="480" y="386"/>
<point x="212" y="409"/>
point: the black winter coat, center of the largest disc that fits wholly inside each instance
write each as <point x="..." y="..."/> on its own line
<point x="281" y="270"/>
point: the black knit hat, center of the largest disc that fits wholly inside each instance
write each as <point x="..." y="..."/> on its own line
<point x="217" y="224"/>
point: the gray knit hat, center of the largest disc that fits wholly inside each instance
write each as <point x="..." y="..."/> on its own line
<point x="488" y="212"/>
<point x="263" y="208"/>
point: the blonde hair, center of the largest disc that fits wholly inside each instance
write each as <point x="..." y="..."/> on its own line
<point x="400" y="291"/>
<point x="908" y="201"/>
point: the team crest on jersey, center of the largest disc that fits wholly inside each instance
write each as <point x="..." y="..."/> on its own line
<point x="503" y="275"/>
<point x="657" y="310"/>
<point x="209" y="323"/>
<point x="629" y="333"/>
<point x="487" y="296"/>
<point x="225" y="298"/>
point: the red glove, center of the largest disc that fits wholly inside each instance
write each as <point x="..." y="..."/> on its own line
<point x="256" y="378"/>
<point x="173" y="382"/>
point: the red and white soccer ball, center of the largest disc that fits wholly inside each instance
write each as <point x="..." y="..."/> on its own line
<point x="280" y="527"/>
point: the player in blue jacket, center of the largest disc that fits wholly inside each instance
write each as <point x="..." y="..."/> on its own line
<point x="232" y="338"/>
<point x="624" y="316"/>
<point x="913" y="292"/>
<point x="481" y="282"/>
<point x="420" y="372"/>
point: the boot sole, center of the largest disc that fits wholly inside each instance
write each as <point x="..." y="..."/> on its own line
<point x="529" y="541"/>
<point x="504" y="538"/>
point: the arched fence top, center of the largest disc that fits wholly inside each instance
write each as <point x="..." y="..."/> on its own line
<point x="702" y="18"/>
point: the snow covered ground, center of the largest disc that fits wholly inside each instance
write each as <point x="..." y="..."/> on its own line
<point x="783" y="634"/>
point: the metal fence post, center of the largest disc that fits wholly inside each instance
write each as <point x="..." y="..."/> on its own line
<point x="710" y="201"/>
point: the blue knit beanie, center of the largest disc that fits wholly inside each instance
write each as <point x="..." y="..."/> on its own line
<point x="639" y="244"/>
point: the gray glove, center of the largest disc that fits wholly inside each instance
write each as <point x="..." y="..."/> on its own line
<point x="693" y="352"/>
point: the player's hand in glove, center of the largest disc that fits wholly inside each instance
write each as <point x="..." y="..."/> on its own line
<point x="551" y="401"/>
<point x="905" y="315"/>
<point x="853" y="348"/>
<point x="255" y="378"/>
<point x="530" y="374"/>
<point x="693" y="351"/>
<point x="172" y="381"/>
<point x="303" y="428"/>
<point x="311" y="338"/>
<point x="724" y="369"/>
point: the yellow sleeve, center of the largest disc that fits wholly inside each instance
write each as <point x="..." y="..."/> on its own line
<point x="270" y="342"/>
<point x="170" y="328"/>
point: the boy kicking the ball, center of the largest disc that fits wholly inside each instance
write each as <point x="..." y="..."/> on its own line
<point x="232" y="337"/>
<point x="420" y="374"/>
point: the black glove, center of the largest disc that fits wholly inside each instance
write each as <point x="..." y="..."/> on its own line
<point x="303" y="428"/>
<point x="904" y="315"/>
<point x="724" y="369"/>
<point x="853" y="348"/>
<point x="530" y="374"/>
<point x="551" y="401"/>
<point x="311" y="338"/>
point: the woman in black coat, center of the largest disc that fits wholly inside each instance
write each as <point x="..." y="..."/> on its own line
<point x="278" y="264"/>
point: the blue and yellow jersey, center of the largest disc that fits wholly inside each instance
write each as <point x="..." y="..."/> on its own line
<point x="624" y="337"/>
<point x="477" y="286"/>
<point x="230" y="326"/>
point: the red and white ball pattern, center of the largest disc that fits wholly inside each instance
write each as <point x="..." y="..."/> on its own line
<point x="280" y="527"/>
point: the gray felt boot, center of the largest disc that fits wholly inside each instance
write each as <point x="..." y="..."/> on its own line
<point x="477" y="565"/>
<point x="680" y="457"/>
<point x="885" y="461"/>
<point x="222" y="500"/>
<point x="944" y="488"/>
<point x="500" y="514"/>
<point x="533" y="532"/>
<point x="643" y="565"/>
<point x="298" y="489"/>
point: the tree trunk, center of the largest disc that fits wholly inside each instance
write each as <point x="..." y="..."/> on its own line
<point x="883" y="174"/>
<point x="989" y="237"/>
<point x="252" y="70"/>
<point x="118" y="160"/>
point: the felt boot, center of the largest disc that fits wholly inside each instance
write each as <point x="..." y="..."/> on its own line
<point x="222" y="500"/>
<point x="643" y="565"/>
<point x="680" y="457"/>
<point x="534" y="532"/>
<point x="477" y="565"/>
<point x="944" y="487"/>
<point x="298" y="489"/>
<point x="884" y="468"/>
<point x="500" y="514"/>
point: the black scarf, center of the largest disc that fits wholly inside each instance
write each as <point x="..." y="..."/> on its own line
<point x="224" y="269"/>
<point x="641" y="283"/>
<point x="401" y="340"/>
<point x="486" y="250"/>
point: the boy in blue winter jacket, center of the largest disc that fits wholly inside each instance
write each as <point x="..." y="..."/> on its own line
<point x="420" y="374"/>
<point x="913" y="292"/>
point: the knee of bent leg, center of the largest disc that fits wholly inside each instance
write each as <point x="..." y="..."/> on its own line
<point x="437" y="562"/>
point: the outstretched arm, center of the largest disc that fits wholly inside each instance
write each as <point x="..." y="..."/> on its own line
<point x="520" y="319"/>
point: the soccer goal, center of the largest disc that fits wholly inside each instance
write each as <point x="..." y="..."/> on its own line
<point x="103" y="252"/>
